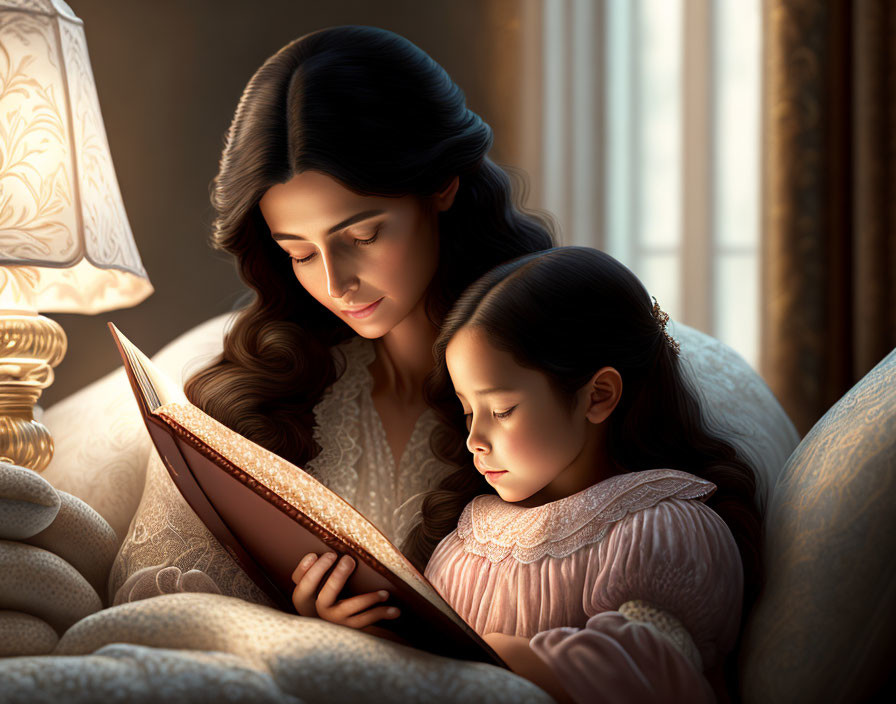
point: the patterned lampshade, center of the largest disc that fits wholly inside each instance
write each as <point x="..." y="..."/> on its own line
<point x="65" y="241"/>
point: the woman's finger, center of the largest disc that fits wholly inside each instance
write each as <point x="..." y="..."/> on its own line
<point x="368" y="618"/>
<point x="326" y="598"/>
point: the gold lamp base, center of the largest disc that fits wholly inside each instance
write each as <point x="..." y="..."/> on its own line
<point x="30" y="346"/>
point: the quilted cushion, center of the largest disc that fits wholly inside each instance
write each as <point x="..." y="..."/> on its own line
<point x="828" y="617"/>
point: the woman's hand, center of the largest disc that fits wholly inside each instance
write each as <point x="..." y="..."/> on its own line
<point x="515" y="651"/>
<point x="347" y="612"/>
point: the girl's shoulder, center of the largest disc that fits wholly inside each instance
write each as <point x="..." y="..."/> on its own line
<point x="493" y="527"/>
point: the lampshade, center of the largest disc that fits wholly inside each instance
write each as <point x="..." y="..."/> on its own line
<point x="65" y="242"/>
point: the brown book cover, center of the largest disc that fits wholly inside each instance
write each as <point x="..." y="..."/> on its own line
<point x="268" y="513"/>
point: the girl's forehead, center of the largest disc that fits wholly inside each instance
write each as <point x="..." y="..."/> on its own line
<point x="477" y="366"/>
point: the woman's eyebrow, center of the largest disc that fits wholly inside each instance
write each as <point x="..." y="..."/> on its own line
<point x="357" y="217"/>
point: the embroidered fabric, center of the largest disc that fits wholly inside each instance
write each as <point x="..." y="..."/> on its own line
<point x="666" y="624"/>
<point x="166" y="533"/>
<point x="355" y="459"/>
<point x="335" y="416"/>
<point x="495" y="529"/>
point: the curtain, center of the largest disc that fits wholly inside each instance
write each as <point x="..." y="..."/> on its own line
<point x="829" y="198"/>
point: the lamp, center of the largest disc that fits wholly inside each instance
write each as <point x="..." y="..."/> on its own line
<point x="65" y="242"/>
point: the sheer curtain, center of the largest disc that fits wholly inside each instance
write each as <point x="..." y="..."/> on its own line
<point x="647" y="116"/>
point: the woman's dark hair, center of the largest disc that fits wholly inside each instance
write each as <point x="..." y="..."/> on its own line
<point x="373" y="111"/>
<point x="567" y="312"/>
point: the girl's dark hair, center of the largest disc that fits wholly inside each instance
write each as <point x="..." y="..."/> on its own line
<point x="374" y="112"/>
<point x="567" y="312"/>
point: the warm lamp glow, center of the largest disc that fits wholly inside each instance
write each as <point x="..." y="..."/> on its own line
<point x="65" y="242"/>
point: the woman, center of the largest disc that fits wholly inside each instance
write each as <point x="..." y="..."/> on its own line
<point x="355" y="193"/>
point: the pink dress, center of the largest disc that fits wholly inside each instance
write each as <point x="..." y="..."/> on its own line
<point x="630" y="590"/>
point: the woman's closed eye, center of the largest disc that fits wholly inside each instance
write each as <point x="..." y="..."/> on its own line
<point x="361" y="241"/>
<point x="358" y="241"/>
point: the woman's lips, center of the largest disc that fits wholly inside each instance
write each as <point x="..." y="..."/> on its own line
<point x="492" y="476"/>
<point x="363" y="312"/>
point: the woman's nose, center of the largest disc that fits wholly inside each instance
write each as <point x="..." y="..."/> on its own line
<point x="340" y="277"/>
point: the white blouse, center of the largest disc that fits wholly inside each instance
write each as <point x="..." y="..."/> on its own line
<point x="356" y="461"/>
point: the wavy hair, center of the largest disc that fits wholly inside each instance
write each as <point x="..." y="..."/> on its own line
<point x="373" y="111"/>
<point x="567" y="312"/>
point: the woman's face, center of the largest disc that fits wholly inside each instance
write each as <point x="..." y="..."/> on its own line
<point x="525" y="439"/>
<point x="367" y="259"/>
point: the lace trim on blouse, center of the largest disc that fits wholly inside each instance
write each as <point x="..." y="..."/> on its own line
<point x="336" y="415"/>
<point x="668" y="625"/>
<point x="495" y="529"/>
<point x="356" y="461"/>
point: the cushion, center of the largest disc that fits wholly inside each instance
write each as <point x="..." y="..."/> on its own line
<point x="28" y="502"/>
<point x="738" y="403"/>
<point x="208" y="647"/>
<point x="38" y="582"/>
<point x="827" y="617"/>
<point x="81" y="537"/>
<point x="24" y="634"/>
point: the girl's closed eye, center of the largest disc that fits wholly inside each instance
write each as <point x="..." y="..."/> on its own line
<point x="468" y="417"/>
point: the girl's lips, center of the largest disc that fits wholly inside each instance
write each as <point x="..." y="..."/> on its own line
<point x="492" y="476"/>
<point x="364" y="312"/>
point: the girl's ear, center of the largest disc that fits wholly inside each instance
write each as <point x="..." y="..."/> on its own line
<point x="603" y="393"/>
<point x="444" y="199"/>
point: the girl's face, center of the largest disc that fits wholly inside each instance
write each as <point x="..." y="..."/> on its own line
<point x="367" y="259"/>
<point x="524" y="438"/>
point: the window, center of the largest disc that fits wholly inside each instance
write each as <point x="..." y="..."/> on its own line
<point x="650" y="148"/>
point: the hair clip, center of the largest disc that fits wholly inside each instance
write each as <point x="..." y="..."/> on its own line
<point x="662" y="318"/>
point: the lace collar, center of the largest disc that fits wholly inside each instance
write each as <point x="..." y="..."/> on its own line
<point x="494" y="529"/>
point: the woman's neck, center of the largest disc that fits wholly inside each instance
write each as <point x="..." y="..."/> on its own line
<point x="404" y="358"/>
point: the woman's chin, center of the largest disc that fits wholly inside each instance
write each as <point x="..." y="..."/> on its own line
<point x="370" y="332"/>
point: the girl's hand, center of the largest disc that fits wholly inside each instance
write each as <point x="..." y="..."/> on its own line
<point x="347" y="612"/>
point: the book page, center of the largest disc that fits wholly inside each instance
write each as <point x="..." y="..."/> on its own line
<point x="156" y="387"/>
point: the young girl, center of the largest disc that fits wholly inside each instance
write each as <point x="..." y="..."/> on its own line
<point x="608" y="567"/>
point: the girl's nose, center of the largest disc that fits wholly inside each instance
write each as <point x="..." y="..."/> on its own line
<point x="477" y="443"/>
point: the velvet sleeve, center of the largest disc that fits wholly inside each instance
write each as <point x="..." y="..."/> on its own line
<point x="663" y="600"/>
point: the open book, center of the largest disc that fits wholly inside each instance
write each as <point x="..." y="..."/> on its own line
<point x="268" y="513"/>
